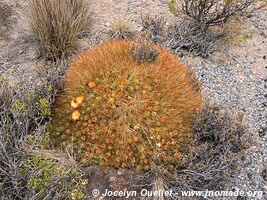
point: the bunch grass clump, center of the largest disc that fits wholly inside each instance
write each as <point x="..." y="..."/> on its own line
<point x="120" y="29"/>
<point x="121" y="113"/>
<point x="58" y="26"/>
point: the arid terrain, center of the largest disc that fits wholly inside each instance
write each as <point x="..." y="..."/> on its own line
<point x="234" y="76"/>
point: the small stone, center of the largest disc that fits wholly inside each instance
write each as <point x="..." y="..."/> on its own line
<point x="112" y="179"/>
<point x="264" y="174"/>
<point x="107" y="24"/>
<point x="264" y="57"/>
<point x="249" y="175"/>
<point x="241" y="198"/>
<point x="264" y="189"/>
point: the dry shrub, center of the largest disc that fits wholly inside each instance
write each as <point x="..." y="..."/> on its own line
<point x="5" y="13"/>
<point x="154" y="27"/>
<point x="58" y="26"/>
<point x="144" y="51"/>
<point x="54" y="175"/>
<point x="212" y="156"/>
<point x="120" y="29"/>
<point x="190" y="36"/>
<point x="5" y="92"/>
<point x="23" y="116"/>
<point x="196" y="32"/>
<point x="214" y="12"/>
<point x="120" y="113"/>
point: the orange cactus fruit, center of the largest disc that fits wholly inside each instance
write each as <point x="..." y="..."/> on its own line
<point x="108" y="155"/>
<point x="68" y="131"/>
<point x="92" y="84"/>
<point x="94" y="119"/>
<point x="158" y="144"/>
<point x="177" y="155"/>
<point x="137" y="127"/>
<point x="85" y="118"/>
<point x="83" y="138"/>
<point x="79" y="99"/>
<point x="98" y="152"/>
<point x="76" y="115"/>
<point x="73" y="138"/>
<point x="136" y="139"/>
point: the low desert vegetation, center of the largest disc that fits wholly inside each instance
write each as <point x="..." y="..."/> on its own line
<point x="58" y="26"/>
<point x="114" y="116"/>
<point x="153" y="26"/>
<point x="27" y="169"/>
<point x="210" y="158"/>
<point x="5" y="13"/>
<point x="120" y="28"/>
<point x="143" y="51"/>
<point x="123" y="104"/>
<point x="199" y="30"/>
<point x="126" y="114"/>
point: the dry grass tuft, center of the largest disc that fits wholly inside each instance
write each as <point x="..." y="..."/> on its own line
<point x="58" y="26"/>
<point x="5" y="12"/>
<point x="120" y="113"/>
<point x="5" y="92"/>
<point x="120" y="29"/>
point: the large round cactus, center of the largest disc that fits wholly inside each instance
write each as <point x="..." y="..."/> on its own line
<point x="118" y="112"/>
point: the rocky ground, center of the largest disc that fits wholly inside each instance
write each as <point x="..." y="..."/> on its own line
<point x="235" y="76"/>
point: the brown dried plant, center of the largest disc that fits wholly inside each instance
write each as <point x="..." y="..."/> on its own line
<point x="58" y="26"/>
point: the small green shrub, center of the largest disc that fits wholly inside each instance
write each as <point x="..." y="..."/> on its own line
<point x="18" y="106"/>
<point x="44" y="105"/>
<point x="173" y="6"/>
<point x="46" y="176"/>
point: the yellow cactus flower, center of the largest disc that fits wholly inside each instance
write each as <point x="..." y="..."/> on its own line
<point x="76" y="115"/>
<point x="79" y="99"/>
<point x="74" y="104"/>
